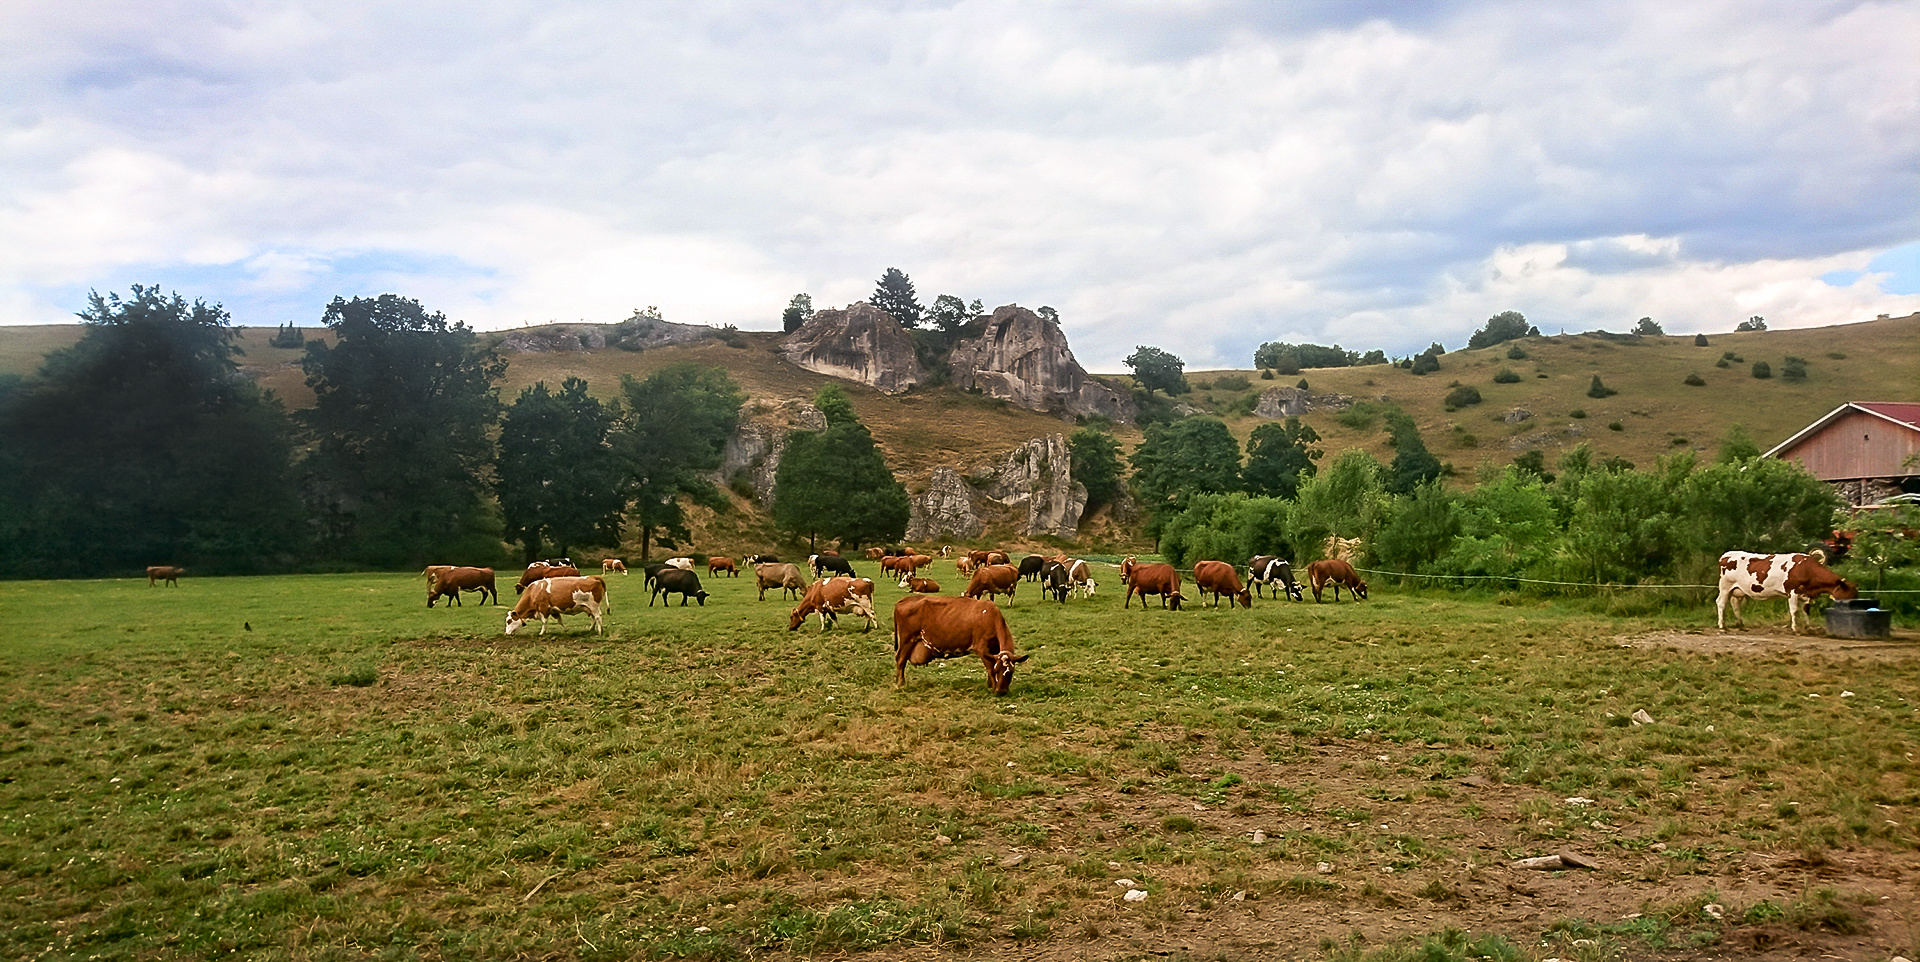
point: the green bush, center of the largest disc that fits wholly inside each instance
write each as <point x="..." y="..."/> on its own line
<point x="1615" y="426"/>
<point x="1514" y="353"/>
<point x="1577" y="414"/>
<point x="1426" y="363"/>
<point x="1231" y="382"/>
<point x="1266" y="375"/>
<point x="1462" y="396"/>
<point x="1506" y="376"/>
<point x="1794" y="368"/>
<point x="1762" y="370"/>
<point x="1699" y="340"/>
<point x="1599" y="390"/>
<point x="1722" y="363"/>
<point x="1696" y="380"/>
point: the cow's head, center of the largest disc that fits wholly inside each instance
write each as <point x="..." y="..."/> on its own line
<point x="1000" y="671"/>
<point x="798" y="617"/>
<point x="1293" y="591"/>
<point x="514" y="621"/>
<point x="1845" y="591"/>
<point x="1174" y="598"/>
<point x="1245" y="597"/>
<point x="1359" y="589"/>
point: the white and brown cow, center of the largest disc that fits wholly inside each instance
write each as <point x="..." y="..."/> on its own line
<point x="553" y="597"/>
<point x="829" y="597"/>
<point x="1799" y="578"/>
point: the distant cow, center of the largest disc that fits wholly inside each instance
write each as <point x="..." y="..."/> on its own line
<point x="1219" y="578"/>
<point x="994" y="580"/>
<point x="783" y="576"/>
<point x="449" y="584"/>
<point x="875" y="554"/>
<point x="831" y="597"/>
<point x="718" y="565"/>
<point x="677" y="581"/>
<point x="164" y="573"/>
<point x="924" y="586"/>
<point x="611" y="565"/>
<point x="1151" y="579"/>
<point x="1030" y="566"/>
<point x="756" y="560"/>
<point x="684" y="564"/>
<point x="999" y="558"/>
<point x="1080" y="575"/>
<point x="823" y="563"/>
<point x="926" y="627"/>
<point x="542" y="569"/>
<point x="1268" y="569"/>
<point x="1337" y="573"/>
<point x="1799" y="578"/>
<point x="553" y="597"/>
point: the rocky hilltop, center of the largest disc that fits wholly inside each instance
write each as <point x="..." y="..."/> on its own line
<point x="1023" y="358"/>
<point x="858" y="343"/>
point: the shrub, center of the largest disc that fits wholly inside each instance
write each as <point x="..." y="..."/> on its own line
<point x="1615" y="426"/>
<point x="1506" y="376"/>
<point x="1837" y="355"/>
<point x="1696" y="380"/>
<point x="1599" y="390"/>
<point x="1762" y="370"/>
<point x="1730" y="356"/>
<point x="1303" y="385"/>
<point x="1722" y="363"/>
<point x="1462" y="396"/>
<point x="1699" y="340"/>
<point x="1202" y="385"/>
<point x="288" y="336"/>
<point x="1514" y="353"/>
<point x="1577" y="414"/>
<point x="1266" y="375"/>
<point x="1231" y="382"/>
<point x="1794" y="368"/>
<point x="1426" y="363"/>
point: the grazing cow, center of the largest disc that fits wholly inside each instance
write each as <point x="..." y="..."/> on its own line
<point x="164" y="573"/>
<point x="652" y="571"/>
<point x="1080" y="575"/>
<point x="678" y="581"/>
<point x="978" y="557"/>
<point x="684" y="564"/>
<point x="831" y="597"/>
<point x="1267" y="569"/>
<point x="1337" y="573"/>
<point x="433" y="572"/>
<point x="1219" y="578"/>
<point x="1151" y="579"/>
<point x="1054" y="581"/>
<point x="611" y="565"/>
<point x="542" y="569"/>
<point x="784" y="576"/>
<point x="717" y="565"/>
<point x="875" y="554"/>
<point x="823" y="563"/>
<point x="894" y="564"/>
<point x="926" y="627"/>
<point x="1799" y="578"/>
<point x="1030" y="567"/>
<point x="756" y="560"/>
<point x="553" y="597"/>
<point x="965" y="566"/>
<point x="994" y="580"/>
<point x="451" y="582"/>
<point x="998" y="558"/>
<point x="924" y="586"/>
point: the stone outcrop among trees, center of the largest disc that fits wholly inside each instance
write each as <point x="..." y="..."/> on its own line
<point x="1292" y="402"/>
<point x="944" y="510"/>
<point x="759" y="441"/>
<point x="1039" y="475"/>
<point x="1023" y="358"/>
<point x="858" y="343"/>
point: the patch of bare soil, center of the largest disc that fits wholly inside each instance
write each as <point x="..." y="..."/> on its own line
<point x="1904" y="643"/>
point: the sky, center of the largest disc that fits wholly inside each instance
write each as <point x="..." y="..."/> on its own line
<point x="1194" y="175"/>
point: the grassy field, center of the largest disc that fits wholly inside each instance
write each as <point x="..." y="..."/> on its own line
<point x="320" y="767"/>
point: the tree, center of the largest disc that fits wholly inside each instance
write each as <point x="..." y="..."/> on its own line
<point x="1096" y="464"/>
<point x="1154" y="369"/>
<point x="1502" y="327"/>
<point x="404" y="406"/>
<point x="1596" y="389"/>
<point x="798" y="312"/>
<point x="1737" y="446"/>
<point x="949" y="314"/>
<point x="558" y="481"/>
<point x="1279" y="456"/>
<point x="894" y="294"/>
<point x="1418" y="529"/>
<point x="1176" y="461"/>
<point x="1275" y="354"/>
<point x="835" y="483"/>
<point x="1754" y="323"/>
<point x="1413" y="465"/>
<point x="1426" y="363"/>
<point x="1048" y="314"/>
<point x="1233" y="526"/>
<point x="141" y="445"/>
<point x="1347" y="499"/>
<point x="1647" y="327"/>
<point x="674" y="430"/>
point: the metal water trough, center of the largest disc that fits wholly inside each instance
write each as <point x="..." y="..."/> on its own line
<point x="1859" y="618"/>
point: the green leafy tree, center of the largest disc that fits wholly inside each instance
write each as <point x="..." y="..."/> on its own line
<point x="1502" y="327"/>
<point x="799" y="311"/>
<point x="1737" y="446"/>
<point x="894" y="294"/>
<point x="1279" y="456"/>
<point x="1176" y="461"/>
<point x="558" y="481"/>
<point x="1280" y="355"/>
<point x="835" y="484"/>
<point x="1754" y="323"/>
<point x="1231" y="527"/>
<point x="141" y="445"/>
<point x="1096" y="464"/>
<point x="1753" y="504"/>
<point x="1155" y="369"/>
<point x="1648" y="327"/>
<point x="672" y="434"/>
<point x="1426" y="363"/>
<point x="1627" y="525"/>
<point x="1418" y="529"/>
<point x="1508" y="527"/>
<point x="404" y="407"/>
<point x="1348" y="499"/>
<point x="949" y="314"/>
<point x="1413" y="465"/>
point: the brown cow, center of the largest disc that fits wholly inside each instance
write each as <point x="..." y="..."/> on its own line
<point x="1151" y="579"/>
<point x="166" y="573"/>
<point x="553" y="597"/>
<point x="926" y="627"/>
<point x="924" y="586"/>
<point x="611" y="565"/>
<point x="541" y="569"/>
<point x="1219" y="578"/>
<point x="875" y="554"/>
<point x="995" y="580"/>
<point x="978" y="557"/>
<point x="1337" y="573"/>
<point x="717" y="565"/>
<point x="784" y="575"/>
<point x="433" y="572"/>
<point x="830" y="597"/>
<point x="449" y="583"/>
<point x="1799" y="578"/>
<point x="999" y="558"/>
<point x="965" y="566"/>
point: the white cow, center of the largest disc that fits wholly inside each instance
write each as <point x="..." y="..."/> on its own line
<point x="1799" y="578"/>
<point x="553" y="597"/>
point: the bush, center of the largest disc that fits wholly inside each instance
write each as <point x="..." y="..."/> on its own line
<point x="1699" y="340"/>
<point x="1722" y="363"/>
<point x="1794" y="368"/>
<point x="1202" y="385"/>
<point x="1762" y="370"/>
<point x="1696" y="380"/>
<point x="1577" y="414"/>
<point x="1303" y="385"/>
<point x="1730" y="356"/>
<point x="1615" y="426"/>
<point x="1514" y="353"/>
<point x="1599" y="390"/>
<point x="1231" y="382"/>
<point x="1506" y="376"/>
<point x="1462" y="396"/>
<point x="1266" y="375"/>
<point x="1426" y="363"/>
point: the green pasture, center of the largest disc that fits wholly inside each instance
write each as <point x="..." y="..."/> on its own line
<point x="358" y="776"/>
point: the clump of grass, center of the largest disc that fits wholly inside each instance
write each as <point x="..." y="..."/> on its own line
<point x="360" y="675"/>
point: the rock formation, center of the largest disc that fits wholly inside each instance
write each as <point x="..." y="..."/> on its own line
<point x="1024" y="358"/>
<point x="944" y="510"/>
<point x="1039" y="475"/>
<point x="1292" y="402"/>
<point x="761" y="439"/>
<point x="859" y="343"/>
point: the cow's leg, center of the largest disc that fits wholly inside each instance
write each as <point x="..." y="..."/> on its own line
<point x="1794" y="600"/>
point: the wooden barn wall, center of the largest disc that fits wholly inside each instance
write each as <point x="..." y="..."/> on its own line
<point x="1857" y="445"/>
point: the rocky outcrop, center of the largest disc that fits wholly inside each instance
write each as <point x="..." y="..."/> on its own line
<point x="859" y="343"/>
<point x="1039" y="475"/>
<point x="636" y="333"/>
<point x="761" y="439"/>
<point x="555" y="337"/>
<point x="1292" y="402"/>
<point x="944" y="510"/>
<point x="1023" y="358"/>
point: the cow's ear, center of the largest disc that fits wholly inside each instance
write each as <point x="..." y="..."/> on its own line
<point x="1021" y="658"/>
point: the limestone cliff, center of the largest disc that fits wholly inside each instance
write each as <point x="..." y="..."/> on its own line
<point x="1024" y="358"/>
<point x="761" y="439"/>
<point x="1039" y="476"/>
<point x="944" y="510"/>
<point x="858" y="343"/>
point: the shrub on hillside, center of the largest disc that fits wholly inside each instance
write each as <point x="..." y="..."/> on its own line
<point x="1426" y="363"/>
<point x="1762" y="370"/>
<point x="1794" y="368"/>
<point x="1696" y="380"/>
<point x="1506" y="376"/>
<point x="1231" y="382"/>
<point x="1515" y="353"/>
<point x="1599" y="390"/>
<point x="1699" y="340"/>
<point x="1462" y="396"/>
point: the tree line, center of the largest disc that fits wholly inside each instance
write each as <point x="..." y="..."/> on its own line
<point x="143" y="444"/>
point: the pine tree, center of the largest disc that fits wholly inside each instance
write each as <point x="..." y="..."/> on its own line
<point x="894" y="294"/>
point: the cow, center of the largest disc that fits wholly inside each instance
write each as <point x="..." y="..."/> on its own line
<point x="451" y="582"/>
<point x="684" y="564"/>
<point x="560" y="563"/>
<point x="756" y="560"/>
<point x="875" y="554"/>
<point x="164" y="573"/>
<point x="946" y="551"/>
<point x="924" y="586"/>
<point x="542" y="569"/>
<point x="830" y="597"/>
<point x="652" y="571"/>
<point x="1337" y="573"/>
<point x="998" y="558"/>
<point x="717" y="565"/>
<point x="995" y="580"/>
<point x="563" y="595"/>
<point x="1219" y="578"/>
<point x="1268" y="569"/>
<point x="1080" y="575"/>
<point x="433" y="572"/>
<point x="1054" y="581"/>
<point x="1151" y="579"/>
<point x="1799" y="578"/>
<point x="895" y="564"/>
<point x="965" y="566"/>
<point x="677" y="581"/>
<point x="926" y="627"/>
<point x="610" y="565"/>
<point x="1030" y="567"/>
<point x="978" y="557"/>
<point x="784" y="576"/>
<point x="823" y="563"/>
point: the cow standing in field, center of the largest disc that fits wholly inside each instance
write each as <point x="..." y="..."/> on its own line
<point x="831" y="597"/>
<point x="926" y="627"/>
<point x="1799" y="578"/>
<point x="164" y="573"/>
<point x="823" y="563"/>
<point x="553" y="597"/>
<point x="1054" y="581"/>
<point x="1336" y="573"/>
<point x="449" y="584"/>
<point x="610" y="565"/>
<point x="678" y="581"/>
<point x="542" y="569"/>
<point x="1151" y="579"/>
<point x="1219" y="578"/>
<point x="717" y="565"/>
<point x="784" y="576"/>
<point x="1030" y="567"/>
<point x="993" y="580"/>
<point x="1271" y="570"/>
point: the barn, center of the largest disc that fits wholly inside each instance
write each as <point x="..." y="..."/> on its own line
<point x="1868" y="450"/>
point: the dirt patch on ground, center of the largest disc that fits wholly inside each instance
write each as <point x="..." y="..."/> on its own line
<point x="1904" y="643"/>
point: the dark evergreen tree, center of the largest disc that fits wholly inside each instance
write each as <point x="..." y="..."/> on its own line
<point x="894" y="294"/>
<point x="1413" y="465"/>
<point x="559" y="484"/>
<point x="1279" y="457"/>
<point x="674" y="432"/>
<point x="834" y="483"/>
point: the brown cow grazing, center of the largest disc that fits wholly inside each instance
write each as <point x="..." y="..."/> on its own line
<point x="875" y="554"/>
<point x="1151" y="579"/>
<point x="978" y="557"/>
<point x="452" y="581"/>
<point x="166" y="573"/>
<point x="1337" y="573"/>
<point x="611" y="565"/>
<point x="541" y="569"/>
<point x="1080" y="575"/>
<point x="830" y="597"/>
<point x="784" y="576"/>
<point x="923" y="586"/>
<point x="965" y="566"/>
<point x="433" y="572"/>
<point x="717" y="565"/>
<point x="553" y="597"/>
<point x="1219" y="578"/>
<point x="1799" y="578"/>
<point x="926" y="627"/>
<point x="999" y="558"/>
<point x="994" y="580"/>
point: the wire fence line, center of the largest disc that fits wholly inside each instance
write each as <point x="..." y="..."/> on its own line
<point x="1569" y="584"/>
